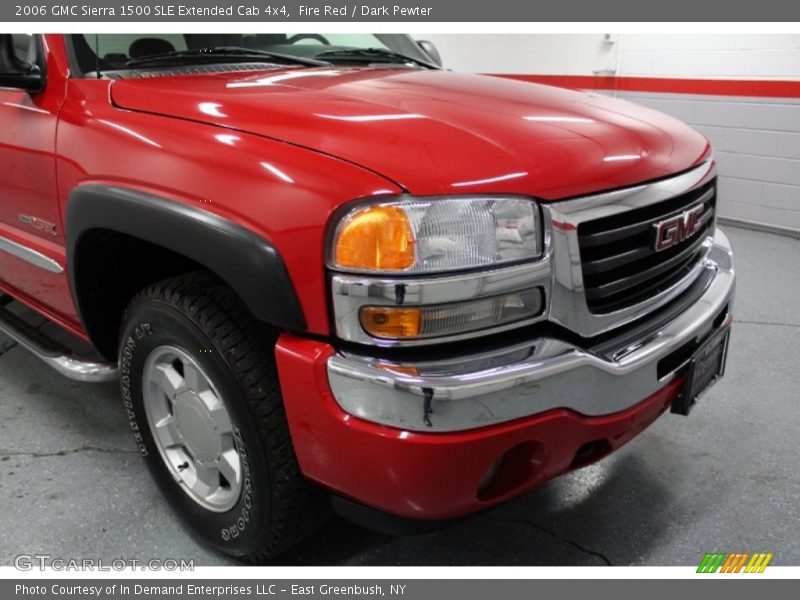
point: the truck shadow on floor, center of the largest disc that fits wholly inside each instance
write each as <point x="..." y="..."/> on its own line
<point x="611" y="513"/>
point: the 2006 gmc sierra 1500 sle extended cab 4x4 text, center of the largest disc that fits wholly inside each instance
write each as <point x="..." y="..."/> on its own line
<point x="322" y="267"/>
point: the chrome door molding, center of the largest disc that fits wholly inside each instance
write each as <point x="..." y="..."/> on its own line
<point x="31" y="256"/>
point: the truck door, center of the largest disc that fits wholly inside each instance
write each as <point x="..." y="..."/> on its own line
<point x="31" y="236"/>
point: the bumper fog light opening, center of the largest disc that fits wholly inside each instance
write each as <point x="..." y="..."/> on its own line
<point x="514" y="469"/>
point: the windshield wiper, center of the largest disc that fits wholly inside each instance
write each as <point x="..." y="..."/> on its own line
<point x="223" y="53"/>
<point x="381" y="54"/>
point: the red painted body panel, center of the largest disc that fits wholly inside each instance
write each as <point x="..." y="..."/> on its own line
<point x="29" y="187"/>
<point x="430" y="476"/>
<point x="284" y="193"/>
<point x="437" y="132"/>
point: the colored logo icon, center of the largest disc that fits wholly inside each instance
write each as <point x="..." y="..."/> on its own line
<point x="740" y="562"/>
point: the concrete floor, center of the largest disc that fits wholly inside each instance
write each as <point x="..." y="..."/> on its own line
<point x="727" y="478"/>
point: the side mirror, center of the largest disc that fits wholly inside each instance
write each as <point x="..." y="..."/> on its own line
<point x="430" y="49"/>
<point x="17" y="73"/>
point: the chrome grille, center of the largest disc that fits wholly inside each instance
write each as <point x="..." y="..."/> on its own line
<point x="618" y="258"/>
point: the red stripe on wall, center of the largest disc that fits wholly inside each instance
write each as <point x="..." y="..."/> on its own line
<point x="666" y="85"/>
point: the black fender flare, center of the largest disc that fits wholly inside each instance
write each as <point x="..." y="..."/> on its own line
<point x="247" y="262"/>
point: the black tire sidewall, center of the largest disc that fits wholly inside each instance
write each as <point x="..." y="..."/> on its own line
<point x="154" y="323"/>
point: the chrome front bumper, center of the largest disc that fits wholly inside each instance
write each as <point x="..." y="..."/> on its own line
<point x="487" y="388"/>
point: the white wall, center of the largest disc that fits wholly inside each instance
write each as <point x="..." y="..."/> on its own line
<point x="513" y="53"/>
<point x="711" y="56"/>
<point x="756" y="139"/>
<point x="652" y="55"/>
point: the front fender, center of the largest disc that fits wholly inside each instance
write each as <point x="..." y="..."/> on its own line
<point x="247" y="262"/>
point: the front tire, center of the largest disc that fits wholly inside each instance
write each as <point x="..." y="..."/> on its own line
<point x="200" y="387"/>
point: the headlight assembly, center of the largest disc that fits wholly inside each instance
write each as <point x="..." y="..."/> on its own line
<point x="436" y="235"/>
<point x="411" y="271"/>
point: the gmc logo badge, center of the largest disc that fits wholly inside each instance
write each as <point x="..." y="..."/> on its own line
<point x="40" y="224"/>
<point x="676" y="229"/>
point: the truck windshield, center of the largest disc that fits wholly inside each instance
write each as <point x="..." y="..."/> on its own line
<point x="111" y="52"/>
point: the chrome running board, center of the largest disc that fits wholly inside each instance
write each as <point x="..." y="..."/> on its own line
<point x="51" y="352"/>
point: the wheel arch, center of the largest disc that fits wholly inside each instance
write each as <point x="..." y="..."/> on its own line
<point x="120" y="240"/>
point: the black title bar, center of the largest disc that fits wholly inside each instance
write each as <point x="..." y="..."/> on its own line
<point x="278" y="11"/>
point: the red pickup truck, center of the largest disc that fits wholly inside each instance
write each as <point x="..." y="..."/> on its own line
<point x="322" y="266"/>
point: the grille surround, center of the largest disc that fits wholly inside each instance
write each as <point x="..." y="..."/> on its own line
<point x="567" y="306"/>
<point x="620" y="264"/>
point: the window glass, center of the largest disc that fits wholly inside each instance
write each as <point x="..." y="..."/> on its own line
<point x="24" y="48"/>
<point x="354" y="40"/>
<point x="116" y="49"/>
<point x="113" y="51"/>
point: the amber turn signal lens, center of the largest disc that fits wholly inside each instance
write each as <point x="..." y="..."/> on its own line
<point x="392" y="322"/>
<point x="376" y="238"/>
<point x="399" y="369"/>
<point x="403" y="322"/>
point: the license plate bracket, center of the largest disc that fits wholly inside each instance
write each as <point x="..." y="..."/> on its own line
<point x="703" y="370"/>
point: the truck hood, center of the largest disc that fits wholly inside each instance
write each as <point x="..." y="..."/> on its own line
<point x="437" y="132"/>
